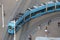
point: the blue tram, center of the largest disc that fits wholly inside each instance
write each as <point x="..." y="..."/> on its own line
<point x="32" y="13"/>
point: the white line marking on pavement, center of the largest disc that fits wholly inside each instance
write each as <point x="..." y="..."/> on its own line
<point x="2" y="16"/>
<point x="14" y="36"/>
<point x="16" y="0"/>
<point x="14" y="31"/>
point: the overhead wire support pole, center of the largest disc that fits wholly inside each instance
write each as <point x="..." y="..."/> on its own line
<point x="2" y="16"/>
<point x="30" y="15"/>
<point x="46" y="7"/>
<point x="55" y="4"/>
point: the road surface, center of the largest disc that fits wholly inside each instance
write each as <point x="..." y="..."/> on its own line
<point x="9" y="8"/>
<point x="32" y="27"/>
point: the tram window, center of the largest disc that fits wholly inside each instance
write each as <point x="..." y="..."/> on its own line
<point x="51" y="8"/>
<point x="58" y="6"/>
<point x="9" y="27"/>
<point x="27" y="17"/>
<point x="32" y="14"/>
<point x="21" y="22"/>
<point x="43" y="10"/>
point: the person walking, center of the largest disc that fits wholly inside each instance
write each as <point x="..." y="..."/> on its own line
<point x="39" y="27"/>
<point x="49" y="22"/>
<point x="46" y="31"/>
<point x="29" y="37"/>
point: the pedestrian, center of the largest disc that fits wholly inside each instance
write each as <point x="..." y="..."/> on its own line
<point x="39" y="26"/>
<point x="49" y="22"/>
<point x="46" y="31"/>
<point x="58" y="24"/>
<point x="29" y="37"/>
